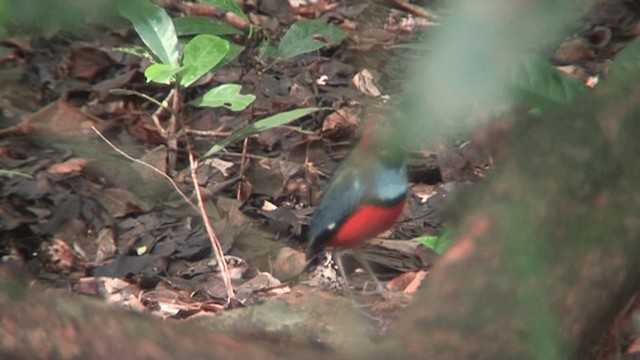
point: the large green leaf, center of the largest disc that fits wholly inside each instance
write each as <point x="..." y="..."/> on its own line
<point x="625" y="62"/>
<point x="302" y="37"/>
<point x="201" y="54"/>
<point x="261" y="125"/>
<point x="227" y="95"/>
<point x="541" y="86"/>
<point x="155" y="28"/>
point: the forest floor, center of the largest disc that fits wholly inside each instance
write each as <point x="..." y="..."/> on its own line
<point x="82" y="217"/>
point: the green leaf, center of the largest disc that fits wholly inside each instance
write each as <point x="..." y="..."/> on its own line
<point x="139" y="51"/>
<point x="161" y="73"/>
<point x="234" y="51"/>
<point x="228" y="5"/>
<point x="154" y="26"/>
<point x="10" y="173"/>
<point x="227" y="95"/>
<point x="626" y="62"/>
<point x="266" y="50"/>
<point x="201" y="54"/>
<point x="541" y="86"/>
<point x="195" y="25"/>
<point x="261" y="125"/>
<point x="439" y="243"/>
<point x="301" y="37"/>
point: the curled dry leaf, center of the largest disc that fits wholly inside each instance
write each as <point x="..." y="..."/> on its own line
<point x="107" y="246"/>
<point x="348" y="117"/>
<point x="67" y="167"/>
<point x="365" y="82"/>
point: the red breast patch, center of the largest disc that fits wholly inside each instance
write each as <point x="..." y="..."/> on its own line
<point x="367" y="222"/>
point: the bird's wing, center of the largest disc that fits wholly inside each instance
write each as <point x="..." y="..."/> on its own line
<point x="340" y="199"/>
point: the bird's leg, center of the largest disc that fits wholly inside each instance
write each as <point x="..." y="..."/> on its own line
<point x="337" y="255"/>
<point x="367" y="267"/>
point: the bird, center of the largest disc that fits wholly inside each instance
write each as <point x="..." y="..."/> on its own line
<point x="364" y="197"/>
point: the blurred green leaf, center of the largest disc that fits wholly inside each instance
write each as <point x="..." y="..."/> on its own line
<point x="135" y="51"/>
<point x="227" y="95"/>
<point x="234" y="51"/>
<point x="625" y="62"/>
<point x="266" y="50"/>
<point x="228" y="5"/>
<point x="439" y="243"/>
<point x="3" y="13"/>
<point x="261" y="125"/>
<point x="540" y="85"/>
<point x="45" y="18"/>
<point x="10" y="173"/>
<point x="155" y="28"/>
<point x="201" y="54"/>
<point x="302" y="37"/>
<point x="161" y="73"/>
<point x="195" y="25"/>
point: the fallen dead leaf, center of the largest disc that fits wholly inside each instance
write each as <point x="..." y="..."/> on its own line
<point x="70" y="166"/>
<point x="348" y="117"/>
<point x="365" y="82"/>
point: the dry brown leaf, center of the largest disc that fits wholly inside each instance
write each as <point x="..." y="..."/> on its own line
<point x="87" y="62"/>
<point x="348" y="117"/>
<point x="70" y="166"/>
<point x="365" y="82"/>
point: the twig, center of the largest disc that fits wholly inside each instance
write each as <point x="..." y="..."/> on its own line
<point x="415" y="10"/>
<point x="128" y="92"/>
<point x="215" y="243"/>
<point x="217" y="248"/>
<point x="242" y="166"/>
<point x="175" y="102"/>
<point x="164" y="105"/>
<point x="153" y="168"/>
<point x="209" y="133"/>
<point x="209" y="11"/>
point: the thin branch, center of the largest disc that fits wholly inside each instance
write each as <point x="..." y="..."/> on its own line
<point x="153" y="168"/>
<point x="215" y="244"/>
<point x="415" y="10"/>
<point x="175" y="102"/>
<point x="242" y="166"/>
<point x="208" y="133"/>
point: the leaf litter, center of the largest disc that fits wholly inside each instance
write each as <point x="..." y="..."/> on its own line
<point x="90" y="219"/>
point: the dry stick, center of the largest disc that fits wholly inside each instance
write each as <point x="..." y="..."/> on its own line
<point x="156" y="115"/>
<point x="153" y="168"/>
<point x="208" y="133"/>
<point x="175" y="101"/>
<point x="211" y="11"/>
<point x="217" y="248"/>
<point x="242" y="166"/>
<point x="215" y="243"/>
<point x="415" y="10"/>
<point x="170" y="135"/>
